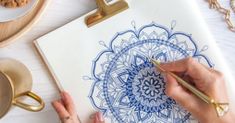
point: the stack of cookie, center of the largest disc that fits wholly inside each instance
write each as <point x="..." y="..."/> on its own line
<point x="13" y="3"/>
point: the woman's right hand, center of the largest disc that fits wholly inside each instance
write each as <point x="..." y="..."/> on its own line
<point x="208" y="80"/>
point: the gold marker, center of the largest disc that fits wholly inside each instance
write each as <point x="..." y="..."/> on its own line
<point x="221" y="108"/>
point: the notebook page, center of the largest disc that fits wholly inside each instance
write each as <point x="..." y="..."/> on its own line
<point x="92" y="64"/>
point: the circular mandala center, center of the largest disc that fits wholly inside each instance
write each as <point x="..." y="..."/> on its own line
<point x="151" y="87"/>
<point x="145" y="87"/>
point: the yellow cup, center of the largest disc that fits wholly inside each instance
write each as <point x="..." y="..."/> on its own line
<point x="15" y="83"/>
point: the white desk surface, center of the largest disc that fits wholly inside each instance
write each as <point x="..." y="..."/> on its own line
<point x="61" y="12"/>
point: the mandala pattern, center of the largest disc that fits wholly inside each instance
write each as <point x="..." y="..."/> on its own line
<point x="127" y="88"/>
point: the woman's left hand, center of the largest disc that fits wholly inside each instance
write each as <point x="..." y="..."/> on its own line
<point x="65" y="109"/>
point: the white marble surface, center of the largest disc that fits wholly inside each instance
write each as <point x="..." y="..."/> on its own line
<point x="61" y="12"/>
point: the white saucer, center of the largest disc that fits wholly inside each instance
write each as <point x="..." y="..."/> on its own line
<point x="9" y="14"/>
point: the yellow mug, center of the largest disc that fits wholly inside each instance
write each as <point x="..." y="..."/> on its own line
<point x="16" y="83"/>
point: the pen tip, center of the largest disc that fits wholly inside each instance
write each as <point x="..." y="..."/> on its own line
<point x="157" y="62"/>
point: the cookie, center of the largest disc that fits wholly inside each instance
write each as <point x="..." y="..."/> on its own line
<point x="13" y="3"/>
<point x="22" y="2"/>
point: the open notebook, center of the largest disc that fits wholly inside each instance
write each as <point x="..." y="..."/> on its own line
<point x="105" y="67"/>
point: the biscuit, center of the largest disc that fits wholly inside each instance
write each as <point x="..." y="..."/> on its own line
<point x="13" y="3"/>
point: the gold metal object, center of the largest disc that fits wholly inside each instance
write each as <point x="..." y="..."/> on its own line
<point x="105" y="11"/>
<point x="16" y="82"/>
<point x="221" y="108"/>
<point x="214" y="4"/>
<point x="27" y="106"/>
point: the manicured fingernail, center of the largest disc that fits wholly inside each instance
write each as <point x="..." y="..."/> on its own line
<point x="53" y="102"/>
<point x="62" y="94"/>
<point x="164" y="75"/>
<point x="100" y="117"/>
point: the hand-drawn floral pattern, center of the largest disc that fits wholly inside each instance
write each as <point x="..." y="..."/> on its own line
<point x="127" y="88"/>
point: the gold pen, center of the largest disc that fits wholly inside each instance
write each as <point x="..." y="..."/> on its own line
<point x="221" y="108"/>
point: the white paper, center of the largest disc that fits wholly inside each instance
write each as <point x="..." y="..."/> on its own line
<point x="71" y="51"/>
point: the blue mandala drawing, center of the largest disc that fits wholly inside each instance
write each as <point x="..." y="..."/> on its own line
<point x="126" y="86"/>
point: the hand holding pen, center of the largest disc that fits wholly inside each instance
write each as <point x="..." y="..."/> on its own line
<point x="207" y="80"/>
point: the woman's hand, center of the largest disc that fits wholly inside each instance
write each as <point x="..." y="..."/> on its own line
<point x="65" y="108"/>
<point x="208" y="80"/>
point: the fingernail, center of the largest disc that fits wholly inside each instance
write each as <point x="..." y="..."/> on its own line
<point x="53" y="102"/>
<point x="62" y="94"/>
<point x="164" y="75"/>
<point x="100" y="117"/>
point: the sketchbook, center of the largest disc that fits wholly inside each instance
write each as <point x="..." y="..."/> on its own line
<point x="105" y="67"/>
